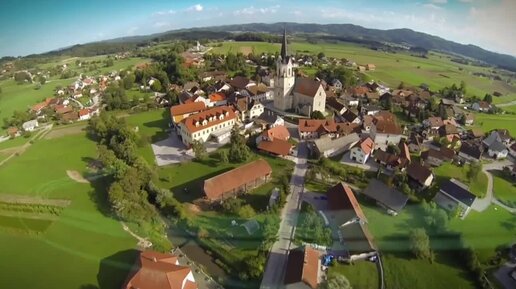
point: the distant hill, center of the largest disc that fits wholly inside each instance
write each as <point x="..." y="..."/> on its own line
<point x="347" y="32"/>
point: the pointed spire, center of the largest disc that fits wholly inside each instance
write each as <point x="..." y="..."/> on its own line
<point x="284" y="44"/>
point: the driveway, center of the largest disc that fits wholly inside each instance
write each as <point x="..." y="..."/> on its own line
<point x="502" y="275"/>
<point x="172" y="150"/>
<point x="481" y="204"/>
<point x="370" y="165"/>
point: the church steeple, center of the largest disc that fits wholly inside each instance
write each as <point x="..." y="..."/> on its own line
<point x="284" y="45"/>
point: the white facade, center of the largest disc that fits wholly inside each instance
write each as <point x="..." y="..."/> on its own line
<point x="358" y="155"/>
<point x="30" y="125"/>
<point x="255" y="111"/>
<point x="498" y="154"/>
<point x="206" y="132"/>
<point x="284" y="84"/>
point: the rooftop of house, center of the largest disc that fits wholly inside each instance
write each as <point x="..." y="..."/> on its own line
<point x="385" y="122"/>
<point x="366" y="145"/>
<point x="418" y="172"/>
<point x="317" y="125"/>
<point x="215" y="187"/>
<point x="306" y="86"/>
<point x="389" y="197"/>
<point x="208" y="118"/>
<point x="458" y="191"/>
<point x="334" y="103"/>
<point x="278" y="132"/>
<point x="303" y="266"/>
<point x="324" y="144"/>
<point x="239" y="82"/>
<point x="276" y="146"/>
<point x="349" y="115"/>
<point x="186" y="108"/>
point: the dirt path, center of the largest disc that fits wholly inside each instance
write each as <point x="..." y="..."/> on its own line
<point x="64" y="131"/>
<point x="76" y="176"/>
<point x="142" y="242"/>
<point x="21" y="149"/>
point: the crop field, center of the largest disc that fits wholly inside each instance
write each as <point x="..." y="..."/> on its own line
<point x="62" y="248"/>
<point x="437" y="70"/>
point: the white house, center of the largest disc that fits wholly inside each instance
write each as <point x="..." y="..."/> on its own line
<point x="214" y="122"/>
<point x="254" y="110"/>
<point x="84" y="114"/>
<point x="30" y="125"/>
<point x="497" y="150"/>
<point x="362" y="150"/>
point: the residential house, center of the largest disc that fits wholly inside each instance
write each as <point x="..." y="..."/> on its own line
<point x="350" y="116"/>
<point x="482" y="106"/>
<point x="385" y="129"/>
<point x="455" y="195"/>
<point x="497" y="150"/>
<point x="315" y="128"/>
<point x="84" y="114"/>
<point x="435" y="157"/>
<point x="500" y="135"/>
<point x="276" y="147"/>
<point x="277" y="132"/>
<point x="362" y="150"/>
<point x="254" y="109"/>
<point x="420" y="175"/>
<point x="354" y="231"/>
<point x="335" y="105"/>
<point x="336" y="84"/>
<point x="370" y="109"/>
<point x="182" y="111"/>
<point x="345" y="128"/>
<point x="70" y="116"/>
<point x="475" y="133"/>
<point x="433" y="123"/>
<point x="415" y="142"/>
<point x="303" y="270"/>
<point x="449" y="132"/>
<point x="269" y="119"/>
<point x="372" y="97"/>
<point x="30" y="125"/>
<point x="389" y="198"/>
<point x="241" y="82"/>
<point x="469" y="119"/>
<point x="237" y="181"/>
<point x="215" y="122"/>
<point x="471" y="151"/>
<point x="367" y="123"/>
<point x="62" y="109"/>
<point x="328" y="147"/>
<point x="350" y="100"/>
<point x="370" y="67"/>
<point x="154" y="270"/>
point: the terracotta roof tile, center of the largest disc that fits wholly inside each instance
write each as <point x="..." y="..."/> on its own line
<point x="306" y="86"/>
<point x="319" y="125"/>
<point x="187" y="108"/>
<point x="276" y="146"/>
<point x="218" y="115"/>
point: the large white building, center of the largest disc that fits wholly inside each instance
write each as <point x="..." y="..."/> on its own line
<point x="214" y="123"/>
<point x="303" y="95"/>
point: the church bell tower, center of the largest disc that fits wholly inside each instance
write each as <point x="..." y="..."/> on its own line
<point x="285" y="78"/>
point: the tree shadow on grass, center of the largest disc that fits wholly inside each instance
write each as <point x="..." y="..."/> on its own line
<point x="99" y="194"/>
<point x="88" y="286"/>
<point x="193" y="190"/>
<point x="114" y="269"/>
<point x="160" y="135"/>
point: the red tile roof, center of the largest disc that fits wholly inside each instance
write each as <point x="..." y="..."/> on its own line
<point x="187" y="108"/>
<point x="218" y="115"/>
<point x="366" y="144"/>
<point x="223" y="185"/>
<point x="159" y="271"/>
<point x="217" y="96"/>
<point x="278" y="132"/>
<point x="317" y="125"/>
<point x="84" y="111"/>
<point x="61" y="109"/>
<point x="307" y="86"/>
<point x="311" y="267"/>
<point x="276" y="146"/>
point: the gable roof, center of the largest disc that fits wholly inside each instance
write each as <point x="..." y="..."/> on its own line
<point x="278" y="132"/>
<point x="418" y="172"/>
<point x="458" y="191"/>
<point x="332" y="102"/>
<point x="473" y="150"/>
<point x="306" y="86"/>
<point x="215" y="187"/>
<point x="345" y="142"/>
<point x="349" y="115"/>
<point x="303" y="266"/>
<point x="366" y="145"/>
<point x="345" y="128"/>
<point x="239" y="82"/>
<point x="279" y="147"/>
<point x="385" y="122"/>
<point x="317" y="125"/>
<point x="158" y="270"/>
<point x="187" y="108"/>
<point x="389" y="197"/>
<point x="215" y="113"/>
<point x="497" y="147"/>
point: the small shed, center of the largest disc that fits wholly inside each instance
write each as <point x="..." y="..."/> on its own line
<point x="251" y="226"/>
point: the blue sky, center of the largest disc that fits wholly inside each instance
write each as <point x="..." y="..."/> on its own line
<point x="42" y="25"/>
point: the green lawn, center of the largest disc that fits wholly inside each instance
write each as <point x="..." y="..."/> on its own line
<point x="84" y="246"/>
<point x="504" y="188"/>
<point x="447" y="170"/>
<point x="493" y="121"/>
<point x="361" y="275"/>
<point x="10" y="143"/>
<point x="152" y="126"/>
<point x="437" y="70"/>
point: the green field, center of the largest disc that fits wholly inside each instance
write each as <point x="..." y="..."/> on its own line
<point x="84" y="246"/>
<point x="362" y="274"/>
<point x="489" y="122"/>
<point x="437" y="71"/>
<point x="447" y="170"/>
<point x="504" y="188"/>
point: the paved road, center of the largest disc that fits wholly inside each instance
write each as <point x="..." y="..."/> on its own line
<point x="277" y="261"/>
<point x="481" y="204"/>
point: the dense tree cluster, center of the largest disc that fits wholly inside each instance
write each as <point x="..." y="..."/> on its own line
<point x="238" y="150"/>
<point x="313" y="228"/>
<point x="420" y="244"/>
<point x="346" y="76"/>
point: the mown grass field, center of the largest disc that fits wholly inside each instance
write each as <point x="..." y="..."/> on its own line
<point x="363" y="274"/>
<point x="504" y="188"/>
<point x="494" y="121"/>
<point x="84" y="246"/>
<point x="437" y="71"/>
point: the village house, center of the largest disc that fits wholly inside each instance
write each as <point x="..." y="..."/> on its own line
<point x="217" y="99"/>
<point x="497" y="150"/>
<point x="275" y="141"/>
<point x="415" y="142"/>
<point x="237" y="181"/>
<point x="389" y="198"/>
<point x="154" y="270"/>
<point x="30" y="125"/>
<point x="328" y="147"/>
<point x="182" y="111"/>
<point x="435" y="157"/>
<point x="454" y="194"/>
<point x="471" y="151"/>
<point x="268" y="119"/>
<point x="12" y="132"/>
<point x="215" y="122"/>
<point x="303" y="270"/>
<point x="345" y="128"/>
<point x="385" y="130"/>
<point x="84" y="114"/>
<point x="336" y="106"/>
<point x="362" y="150"/>
<point x="433" y="123"/>
<point x="419" y="175"/>
<point x="350" y="116"/>
<point x="315" y="128"/>
<point x="370" y="109"/>
<point x="481" y="106"/>
<point x="350" y="100"/>
<point x="449" y="131"/>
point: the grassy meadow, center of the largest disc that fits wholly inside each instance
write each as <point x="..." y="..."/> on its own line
<point x="478" y="186"/>
<point x="488" y="122"/>
<point x="83" y="247"/>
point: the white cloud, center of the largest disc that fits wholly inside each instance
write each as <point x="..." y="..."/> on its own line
<point x="253" y="11"/>
<point x="439" y="1"/>
<point x="132" y="30"/>
<point x="432" y="6"/>
<point x="466" y="1"/>
<point x="162" y="24"/>
<point x="195" y="8"/>
<point x="165" y="13"/>
<point x="296" y="12"/>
